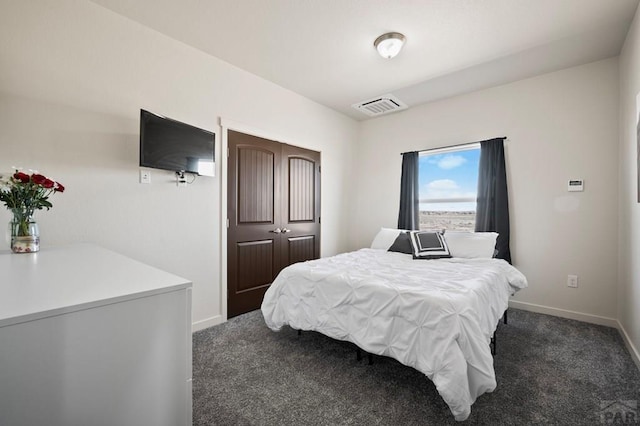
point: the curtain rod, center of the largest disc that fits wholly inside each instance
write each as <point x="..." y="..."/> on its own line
<point x="455" y="146"/>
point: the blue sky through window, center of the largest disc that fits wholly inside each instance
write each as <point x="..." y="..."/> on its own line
<point x="447" y="177"/>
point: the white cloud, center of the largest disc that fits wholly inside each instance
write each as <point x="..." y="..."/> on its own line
<point x="444" y="189"/>
<point x="442" y="184"/>
<point x="450" y="161"/>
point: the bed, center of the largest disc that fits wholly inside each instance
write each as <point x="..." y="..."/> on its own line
<point x="436" y="315"/>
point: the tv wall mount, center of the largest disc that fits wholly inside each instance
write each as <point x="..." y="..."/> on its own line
<point x="181" y="179"/>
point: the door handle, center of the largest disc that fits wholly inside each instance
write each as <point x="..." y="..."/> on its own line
<point x="285" y="230"/>
<point x="276" y="231"/>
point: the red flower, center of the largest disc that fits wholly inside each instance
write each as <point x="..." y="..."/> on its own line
<point x="22" y="177"/>
<point x="28" y="193"/>
<point x="38" y="179"/>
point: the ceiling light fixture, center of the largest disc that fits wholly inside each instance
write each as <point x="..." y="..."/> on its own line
<point x="389" y="44"/>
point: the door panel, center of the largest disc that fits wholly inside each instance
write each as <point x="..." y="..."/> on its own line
<point x="256" y="186"/>
<point x="301" y="190"/>
<point x="301" y="249"/>
<point x="273" y="212"/>
<point x="255" y="264"/>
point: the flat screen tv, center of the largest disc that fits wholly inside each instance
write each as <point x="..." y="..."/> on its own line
<point x="171" y="145"/>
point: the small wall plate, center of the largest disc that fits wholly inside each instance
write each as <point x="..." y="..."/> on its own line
<point x="575" y="185"/>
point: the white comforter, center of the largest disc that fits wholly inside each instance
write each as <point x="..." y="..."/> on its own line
<point x="436" y="316"/>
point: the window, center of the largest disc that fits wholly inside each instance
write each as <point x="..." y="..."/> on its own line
<point x="448" y="180"/>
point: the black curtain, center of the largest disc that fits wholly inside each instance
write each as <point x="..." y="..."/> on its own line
<point x="492" y="211"/>
<point x="409" y="216"/>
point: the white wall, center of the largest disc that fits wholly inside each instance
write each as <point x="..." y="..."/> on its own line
<point x="561" y="125"/>
<point x="629" y="229"/>
<point x="73" y="77"/>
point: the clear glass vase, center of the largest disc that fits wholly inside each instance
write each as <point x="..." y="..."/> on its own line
<point x="24" y="233"/>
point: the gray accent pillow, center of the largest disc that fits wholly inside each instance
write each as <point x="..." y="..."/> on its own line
<point x="402" y="244"/>
<point x="428" y="245"/>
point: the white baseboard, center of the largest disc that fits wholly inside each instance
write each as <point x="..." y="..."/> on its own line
<point x="206" y="323"/>
<point x="563" y="313"/>
<point x="635" y="355"/>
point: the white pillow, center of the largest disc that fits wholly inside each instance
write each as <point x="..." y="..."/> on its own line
<point x="385" y="238"/>
<point x="471" y="245"/>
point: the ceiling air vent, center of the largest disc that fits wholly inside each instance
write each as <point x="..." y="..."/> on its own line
<point x="380" y="105"/>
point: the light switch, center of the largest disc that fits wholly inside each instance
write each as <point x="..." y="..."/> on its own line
<point x="145" y="176"/>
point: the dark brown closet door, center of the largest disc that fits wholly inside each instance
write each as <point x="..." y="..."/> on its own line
<point x="253" y="248"/>
<point x="273" y="211"/>
<point x="300" y="204"/>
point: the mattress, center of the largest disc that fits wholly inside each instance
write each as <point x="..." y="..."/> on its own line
<point x="436" y="316"/>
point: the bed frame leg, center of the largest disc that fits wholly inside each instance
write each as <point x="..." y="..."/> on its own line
<point x="299" y="332"/>
<point x="505" y="316"/>
<point x="359" y="356"/>
<point x="493" y="344"/>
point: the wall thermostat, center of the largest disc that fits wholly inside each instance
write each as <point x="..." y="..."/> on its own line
<point x="575" y="185"/>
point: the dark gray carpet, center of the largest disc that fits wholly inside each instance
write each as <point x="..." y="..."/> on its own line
<point x="549" y="371"/>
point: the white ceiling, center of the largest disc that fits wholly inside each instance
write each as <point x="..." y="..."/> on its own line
<point x="323" y="49"/>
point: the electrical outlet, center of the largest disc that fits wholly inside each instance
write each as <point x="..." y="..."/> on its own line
<point x="145" y="176"/>
<point x="572" y="281"/>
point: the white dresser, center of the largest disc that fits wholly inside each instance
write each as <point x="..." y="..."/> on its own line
<point x="90" y="337"/>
